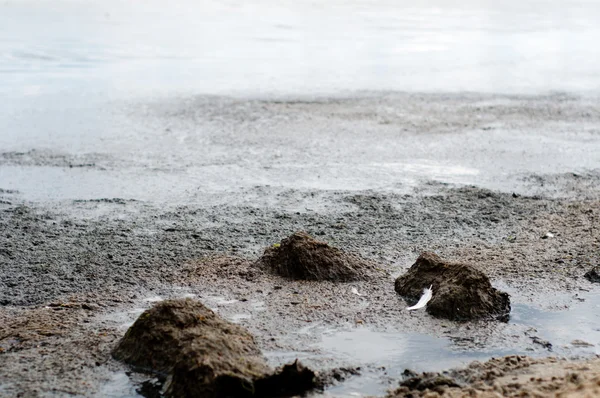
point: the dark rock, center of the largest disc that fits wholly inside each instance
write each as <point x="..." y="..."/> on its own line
<point x="593" y="275"/>
<point x="460" y="292"/>
<point x="189" y="376"/>
<point x="302" y="257"/>
<point x="203" y="355"/>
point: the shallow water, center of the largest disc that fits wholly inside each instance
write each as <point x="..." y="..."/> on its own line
<point x="298" y="46"/>
<point x="383" y="356"/>
<point x="78" y="77"/>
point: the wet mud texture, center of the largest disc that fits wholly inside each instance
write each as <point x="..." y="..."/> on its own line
<point x="172" y="329"/>
<point x="300" y="256"/>
<point x="460" y="292"/>
<point x="67" y="267"/>
<point x="511" y="376"/>
<point x="204" y="355"/>
<point x="123" y="246"/>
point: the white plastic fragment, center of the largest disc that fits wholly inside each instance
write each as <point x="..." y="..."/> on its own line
<point x="355" y="291"/>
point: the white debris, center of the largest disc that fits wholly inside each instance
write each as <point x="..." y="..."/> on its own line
<point x="427" y="295"/>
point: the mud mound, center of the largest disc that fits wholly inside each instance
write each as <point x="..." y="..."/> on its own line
<point x="460" y="292"/>
<point x="428" y="381"/>
<point x="198" y="379"/>
<point x="204" y="355"/>
<point x="300" y="256"/>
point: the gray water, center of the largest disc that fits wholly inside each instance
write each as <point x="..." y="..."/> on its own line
<point x="80" y="79"/>
<point x="135" y="48"/>
<point x="573" y="332"/>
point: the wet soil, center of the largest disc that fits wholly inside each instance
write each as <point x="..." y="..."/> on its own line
<point x="511" y="376"/>
<point x="64" y="275"/>
<point x="462" y="292"/>
<point x="77" y="272"/>
<point x="201" y="354"/>
<point x="300" y="256"/>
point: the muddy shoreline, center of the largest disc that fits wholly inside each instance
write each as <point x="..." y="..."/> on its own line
<point x="76" y="272"/>
<point x="61" y="321"/>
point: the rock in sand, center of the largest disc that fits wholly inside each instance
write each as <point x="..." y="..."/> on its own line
<point x="593" y="275"/>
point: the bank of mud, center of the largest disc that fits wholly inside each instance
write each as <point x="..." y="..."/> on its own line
<point x="65" y="276"/>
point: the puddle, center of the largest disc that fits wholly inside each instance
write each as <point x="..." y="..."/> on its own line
<point x="119" y="386"/>
<point x="580" y="323"/>
<point x="383" y="356"/>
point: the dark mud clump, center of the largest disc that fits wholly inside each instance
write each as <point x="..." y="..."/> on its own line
<point x="192" y="378"/>
<point x="161" y="334"/>
<point x="593" y="275"/>
<point x="205" y="356"/>
<point x="460" y="292"/>
<point x="300" y="256"/>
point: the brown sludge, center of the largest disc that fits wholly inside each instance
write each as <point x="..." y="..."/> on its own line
<point x="300" y="256"/>
<point x="205" y="355"/>
<point x="460" y="292"/>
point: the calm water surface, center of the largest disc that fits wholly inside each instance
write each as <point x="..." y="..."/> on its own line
<point x="133" y="47"/>
<point x="70" y="68"/>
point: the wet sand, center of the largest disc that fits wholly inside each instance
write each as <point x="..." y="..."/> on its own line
<point x="508" y="184"/>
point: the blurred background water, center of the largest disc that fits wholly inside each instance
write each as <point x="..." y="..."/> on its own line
<point x="300" y="46"/>
<point x="73" y="72"/>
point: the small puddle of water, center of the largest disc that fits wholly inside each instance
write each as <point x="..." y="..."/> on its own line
<point x="119" y="386"/>
<point x="580" y="324"/>
<point x="384" y="356"/>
